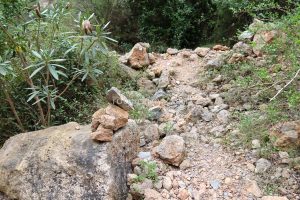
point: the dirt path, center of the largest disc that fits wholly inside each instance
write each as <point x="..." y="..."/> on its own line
<point x="213" y="173"/>
<point x="210" y="169"/>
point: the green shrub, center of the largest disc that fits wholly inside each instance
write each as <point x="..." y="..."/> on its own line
<point x="272" y="89"/>
<point x="149" y="171"/>
<point x="54" y="69"/>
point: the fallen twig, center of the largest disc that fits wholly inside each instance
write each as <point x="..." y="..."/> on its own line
<point x="297" y="73"/>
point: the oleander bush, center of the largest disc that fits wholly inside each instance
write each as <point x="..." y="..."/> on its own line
<point x="55" y="66"/>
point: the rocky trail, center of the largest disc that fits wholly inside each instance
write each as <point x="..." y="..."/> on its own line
<point x="212" y="172"/>
<point x="163" y="142"/>
<point x="208" y="171"/>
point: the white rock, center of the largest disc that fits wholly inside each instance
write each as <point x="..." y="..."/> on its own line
<point x="255" y="144"/>
<point x="262" y="165"/>
<point x="167" y="183"/>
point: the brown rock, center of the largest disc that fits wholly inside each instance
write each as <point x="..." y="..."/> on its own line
<point x="138" y="56"/>
<point x="111" y="117"/>
<point x="157" y="70"/>
<point x="252" y="188"/>
<point x="107" y="122"/>
<point x="183" y="194"/>
<point x="261" y="39"/>
<point x="102" y="134"/>
<point x="96" y="117"/>
<point x="185" y="164"/>
<point x="220" y="48"/>
<point x="167" y="183"/>
<point x="171" y="150"/>
<point x="150" y="132"/>
<point x="201" y="51"/>
<point x="236" y="57"/>
<point x="185" y="53"/>
<point x="287" y="134"/>
<point x="118" y="116"/>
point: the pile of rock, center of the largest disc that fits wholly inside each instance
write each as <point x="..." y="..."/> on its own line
<point x="241" y="51"/>
<point x="110" y="119"/>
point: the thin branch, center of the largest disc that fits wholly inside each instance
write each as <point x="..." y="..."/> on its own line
<point x="297" y="73"/>
<point x="13" y="109"/>
<point x="67" y="87"/>
<point x="271" y="85"/>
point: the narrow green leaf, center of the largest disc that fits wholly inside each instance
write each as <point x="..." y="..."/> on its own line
<point x="33" y="94"/>
<point x="34" y="65"/>
<point x="98" y="71"/>
<point x="52" y="104"/>
<point x="106" y="25"/>
<point x="63" y="74"/>
<point x="108" y="38"/>
<point x="57" y="65"/>
<point x="58" y="60"/>
<point x="36" y="71"/>
<point x="84" y="77"/>
<point x="41" y="99"/>
<point x="53" y="71"/>
<point x="92" y="15"/>
<point x="36" y="54"/>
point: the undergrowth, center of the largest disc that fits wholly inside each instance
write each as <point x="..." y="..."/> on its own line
<point x="270" y="85"/>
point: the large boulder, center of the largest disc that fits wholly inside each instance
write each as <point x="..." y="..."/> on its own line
<point x="171" y="150"/>
<point x="138" y="56"/>
<point x="64" y="163"/>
